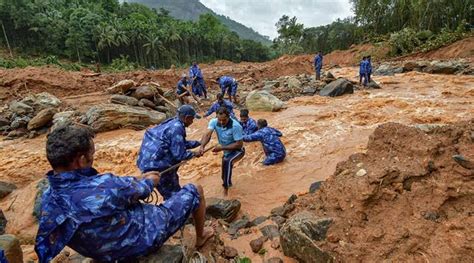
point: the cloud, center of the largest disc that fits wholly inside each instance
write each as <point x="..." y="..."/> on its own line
<point x="262" y="15"/>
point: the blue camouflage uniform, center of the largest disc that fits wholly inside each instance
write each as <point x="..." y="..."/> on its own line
<point x="198" y="85"/>
<point x="363" y="71"/>
<point x="229" y="85"/>
<point x="249" y="127"/>
<point x="162" y="147"/>
<point x="272" y="145"/>
<point x="3" y="258"/>
<point x="100" y="216"/>
<point x="318" y="64"/>
<point x="216" y="105"/>
<point x="181" y="86"/>
<point x="369" y="69"/>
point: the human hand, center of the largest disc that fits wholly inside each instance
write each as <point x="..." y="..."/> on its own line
<point x="198" y="153"/>
<point x="154" y="176"/>
<point x="216" y="149"/>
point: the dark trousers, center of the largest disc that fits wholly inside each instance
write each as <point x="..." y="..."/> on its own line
<point x="227" y="164"/>
<point x="318" y="74"/>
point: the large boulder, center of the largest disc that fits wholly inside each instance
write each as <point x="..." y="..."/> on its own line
<point x="338" y="87"/>
<point x="12" y="249"/>
<point x="225" y="209"/>
<point x="124" y="100"/>
<point x="294" y="83"/>
<point x="145" y="92"/>
<point x="388" y="70"/>
<point x="64" y="118"/>
<point x="106" y="117"/>
<point x="20" y="108"/>
<point x="373" y="85"/>
<point x="121" y="87"/>
<point x="20" y="122"/>
<point x="6" y="189"/>
<point x="299" y="234"/>
<point x="261" y="100"/>
<point x="41" y="101"/>
<point x="444" y="67"/>
<point x="41" y="119"/>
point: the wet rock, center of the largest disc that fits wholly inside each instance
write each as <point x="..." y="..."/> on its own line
<point x="298" y="236"/>
<point x="464" y="162"/>
<point x="12" y="249"/>
<point x="146" y="103"/>
<point x="166" y="254"/>
<point x="225" y="209"/>
<point x="6" y="189"/>
<point x="275" y="243"/>
<point x="444" y="67"/>
<point x="20" y="122"/>
<point x="41" y="187"/>
<point x="315" y="186"/>
<point x="235" y="226"/>
<point x="282" y="210"/>
<point x="431" y="215"/>
<point x="4" y="121"/>
<point x="108" y="117"/>
<point x="230" y="252"/>
<point x="274" y="260"/>
<point x="41" y="119"/>
<point x="257" y="221"/>
<point x="338" y="87"/>
<point x="388" y="70"/>
<point x="3" y="222"/>
<point x="279" y="220"/>
<point x="373" y="85"/>
<point x="42" y="101"/>
<point x="257" y="244"/>
<point x="260" y="100"/>
<point x="145" y="92"/>
<point x="270" y="231"/>
<point x="124" y="100"/>
<point x="291" y="199"/>
<point x="20" y="108"/>
<point x="61" y="119"/>
<point x="121" y="87"/>
<point x="17" y="133"/>
<point x="294" y="83"/>
<point x="309" y="91"/>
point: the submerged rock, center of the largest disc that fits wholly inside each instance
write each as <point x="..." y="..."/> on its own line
<point x="338" y="87"/>
<point x="225" y="209"/>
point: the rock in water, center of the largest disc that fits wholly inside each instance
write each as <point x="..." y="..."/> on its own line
<point x="121" y="87"/>
<point x="338" y="87"/>
<point x="373" y="85"/>
<point x="298" y="235"/>
<point x="388" y="70"/>
<point x="6" y="189"/>
<point x="124" y="100"/>
<point x="41" y="119"/>
<point x="166" y="254"/>
<point x="12" y="249"/>
<point x="42" y="101"/>
<point x="261" y="100"/>
<point x="225" y="209"/>
<point x="108" y="117"/>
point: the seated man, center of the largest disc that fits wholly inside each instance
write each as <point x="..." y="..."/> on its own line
<point x="228" y="85"/>
<point x="100" y="215"/>
<point x="182" y="90"/>
<point x="248" y="124"/>
<point x="272" y="145"/>
<point x="221" y="103"/>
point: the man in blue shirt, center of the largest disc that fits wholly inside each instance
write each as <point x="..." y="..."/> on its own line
<point x="221" y="103"/>
<point x="318" y="64"/>
<point x="228" y="85"/>
<point x="199" y="87"/>
<point x="100" y="215"/>
<point x="272" y="145"/>
<point x="229" y="135"/>
<point x="182" y="90"/>
<point x="363" y="71"/>
<point x="248" y="124"/>
<point x="369" y="68"/>
<point x="164" y="146"/>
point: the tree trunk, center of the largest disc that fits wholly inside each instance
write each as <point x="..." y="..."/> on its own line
<point x="6" y="40"/>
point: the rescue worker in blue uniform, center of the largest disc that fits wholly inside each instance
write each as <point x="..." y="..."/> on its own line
<point x="221" y="102"/>
<point x="197" y="80"/>
<point x="363" y="71"/>
<point x="369" y="69"/>
<point x="228" y="85"/>
<point x="269" y="137"/>
<point x="100" y="215"/>
<point x="229" y="134"/>
<point x="182" y="90"/>
<point x="318" y="64"/>
<point x="248" y="124"/>
<point x="164" y="146"/>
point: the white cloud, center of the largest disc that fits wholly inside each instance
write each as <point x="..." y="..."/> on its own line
<point x="262" y="15"/>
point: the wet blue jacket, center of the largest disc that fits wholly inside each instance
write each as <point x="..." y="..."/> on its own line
<point x="249" y="127"/>
<point x="195" y="71"/>
<point x="102" y="209"/>
<point x="215" y="106"/>
<point x="226" y="81"/>
<point x="272" y="145"/>
<point x="369" y="66"/>
<point x="318" y="61"/>
<point x="181" y="86"/>
<point x="165" y="145"/>
<point x="363" y="67"/>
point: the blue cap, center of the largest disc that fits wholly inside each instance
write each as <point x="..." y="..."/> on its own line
<point x="188" y="110"/>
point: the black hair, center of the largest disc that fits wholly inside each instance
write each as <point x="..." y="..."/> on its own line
<point x="244" y="113"/>
<point x="66" y="143"/>
<point x="261" y="123"/>
<point x="223" y="110"/>
<point x="220" y="96"/>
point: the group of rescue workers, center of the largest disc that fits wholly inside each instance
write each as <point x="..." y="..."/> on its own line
<point x="103" y="216"/>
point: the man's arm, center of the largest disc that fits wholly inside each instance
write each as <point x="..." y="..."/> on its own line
<point x="126" y="190"/>
<point x="178" y="147"/>
<point x="192" y="144"/>
<point x="211" y="110"/>
<point x="205" y="139"/>
<point x="256" y="136"/>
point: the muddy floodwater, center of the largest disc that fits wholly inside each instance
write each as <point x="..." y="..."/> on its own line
<point x="318" y="133"/>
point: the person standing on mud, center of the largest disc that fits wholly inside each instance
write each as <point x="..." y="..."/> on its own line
<point x="100" y="215"/>
<point x="318" y="64"/>
<point x="369" y="69"/>
<point x="248" y="124"/>
<point x="228" y="85"/>
<point x="363" y="71"/>
<point x="221" y="102"/>
<point x="229" y="134"/>
<point x="272" y="145"/>
<point x="164" y="146"/>
<point x="197" y="80"/>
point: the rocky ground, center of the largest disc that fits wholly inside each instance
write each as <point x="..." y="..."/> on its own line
<point x="402" y="197"/>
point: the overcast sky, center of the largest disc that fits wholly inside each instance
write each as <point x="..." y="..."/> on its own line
<point x="262" y="15"/>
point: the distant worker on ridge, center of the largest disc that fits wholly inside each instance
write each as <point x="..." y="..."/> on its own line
<point x="272" y="145"/>
<point x="318" y="64"/>
<point x="197" y="80"/>
<point x="228" y="85"/>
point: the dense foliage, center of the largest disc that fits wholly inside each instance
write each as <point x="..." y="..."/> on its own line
<point x="104" y="30"/>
